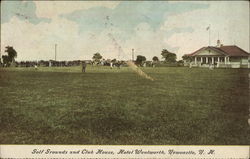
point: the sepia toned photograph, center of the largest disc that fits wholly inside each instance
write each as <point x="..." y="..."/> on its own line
<point x="124" y="73"/>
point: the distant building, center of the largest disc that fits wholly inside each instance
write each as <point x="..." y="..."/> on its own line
<point x="230" y="56"/>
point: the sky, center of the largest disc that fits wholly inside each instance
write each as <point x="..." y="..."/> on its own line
<point x="114" y="28"/>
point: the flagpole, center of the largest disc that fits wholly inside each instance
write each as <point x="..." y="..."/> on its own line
<point x="55" y="51"/>
<point x="209" y="34"/>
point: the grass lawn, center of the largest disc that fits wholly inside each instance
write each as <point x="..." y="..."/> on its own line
<point x="104" y="106"/>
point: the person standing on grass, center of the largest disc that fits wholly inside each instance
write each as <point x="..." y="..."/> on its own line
<point x="111" y="65"/>
<point x="84" y="65"/>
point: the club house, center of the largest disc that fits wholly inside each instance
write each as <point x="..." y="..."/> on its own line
<point x="228" y="56"/>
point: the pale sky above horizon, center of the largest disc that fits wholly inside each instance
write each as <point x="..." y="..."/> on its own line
<point x="82" y="28"/>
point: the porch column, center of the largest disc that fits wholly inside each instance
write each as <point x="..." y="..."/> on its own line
<point x="212" y="60"/>
<point x="228" y="60"/>
<point x="201" y="59"/>
<point x="206" y="59"/>
<point x="218" y="61"/>
<point x="225" y="60"/>
<point x="195" y="60"/>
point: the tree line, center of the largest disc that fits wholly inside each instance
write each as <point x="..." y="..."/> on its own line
<point x="167" y="56"/>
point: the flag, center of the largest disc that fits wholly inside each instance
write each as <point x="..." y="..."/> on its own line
<point x="208" y="28"/>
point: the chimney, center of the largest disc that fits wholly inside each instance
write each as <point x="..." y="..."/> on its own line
<point x="218" y="43"/>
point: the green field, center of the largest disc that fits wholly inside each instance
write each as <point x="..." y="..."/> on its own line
<point x="116" y="106"/>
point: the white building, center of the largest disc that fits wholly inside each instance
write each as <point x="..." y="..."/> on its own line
<point x="220" y="56"/>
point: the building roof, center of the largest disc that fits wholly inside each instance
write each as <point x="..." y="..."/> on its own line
<point x="234" y="50"/>
<point x="191" y="54"/>
<point x="229" y="50"/>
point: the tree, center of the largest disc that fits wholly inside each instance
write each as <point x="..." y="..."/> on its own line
<point x="113" y="61"/>
<point x="6" y="60"/>
<point x="97" y="57"/>
<point x="10" y="58"/>
<point x="12" y="54"/>
<point x="140" y="59"/>
<point x="187" y="58"/>
<point x="155" y="59"/>
<point x="180" y="63"/>
<point x="168" y="56"/>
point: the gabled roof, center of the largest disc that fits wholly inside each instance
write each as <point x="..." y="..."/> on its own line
<point x="233" y="50"/>
<point x="229" y="50"/>
<point x="196" y="51"/>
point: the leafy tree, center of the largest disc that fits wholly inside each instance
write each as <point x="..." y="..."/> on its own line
<point x="168" y="56"/>
<point x="180" y="63"/>
<point x="6" y="60"/>
<point x="113" y="61"/>
<point x="155" y="59"/>
<point x="187" y="58"/>
<point x="97" y="57"/>
<point x="12" y="54"/>
<point x="140" y="60"/>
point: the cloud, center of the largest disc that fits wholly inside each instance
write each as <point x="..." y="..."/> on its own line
<point x="34" y="42"/>
<point x="127" y="15"/>
<point x="80" y="30"/>
<point x="229" y="26"/>
<point x="51" y="9"/>
<point x="25" y="11"/>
